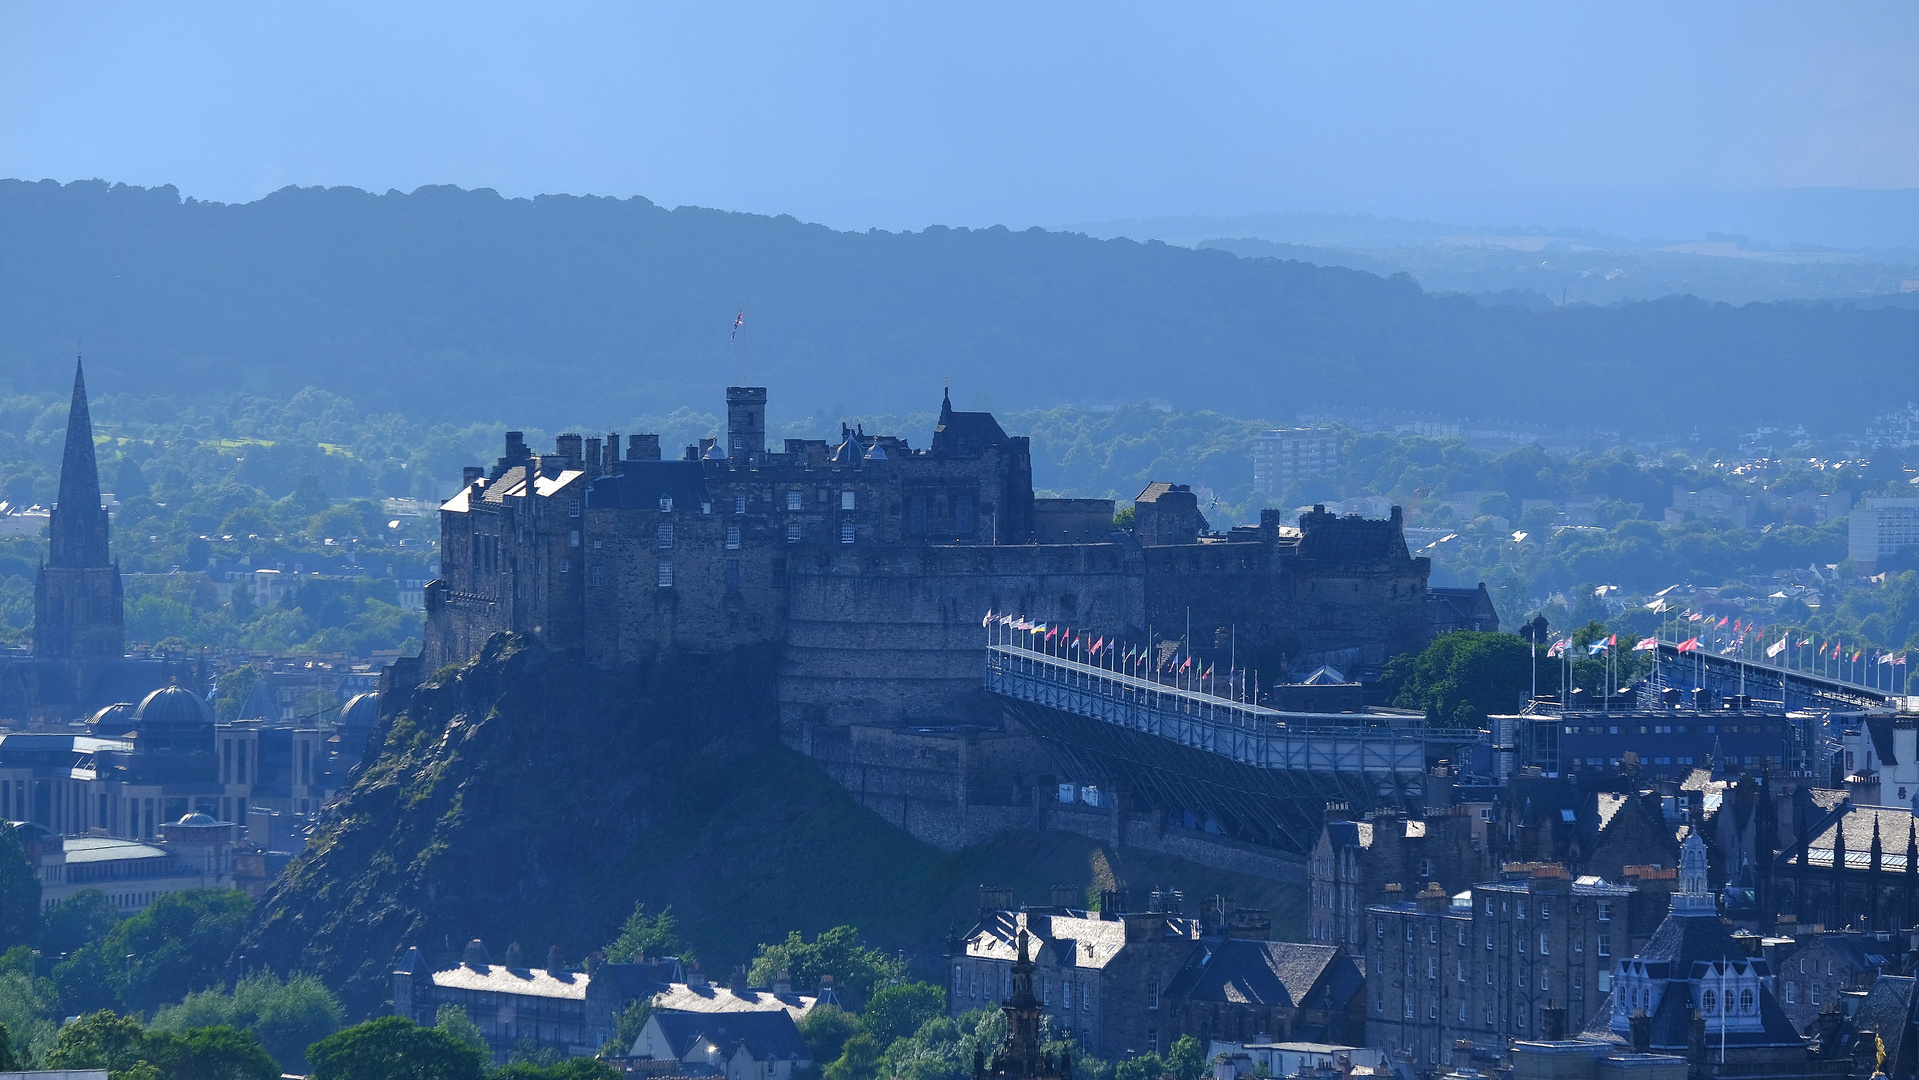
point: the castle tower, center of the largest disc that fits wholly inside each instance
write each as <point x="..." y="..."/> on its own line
<point x="77" y="603"/>
<point x="745" y="421"/>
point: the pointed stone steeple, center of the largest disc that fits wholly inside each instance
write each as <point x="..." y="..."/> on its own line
<point x="77" y="530"/>
<point x="78" y="609"/>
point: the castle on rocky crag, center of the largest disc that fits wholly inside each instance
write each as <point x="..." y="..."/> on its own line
<point x="868" y="564"/>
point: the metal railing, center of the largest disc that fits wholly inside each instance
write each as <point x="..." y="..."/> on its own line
<point x="1247" y="733"/>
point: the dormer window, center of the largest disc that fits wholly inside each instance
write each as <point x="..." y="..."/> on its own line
<point x="666" y="503"/>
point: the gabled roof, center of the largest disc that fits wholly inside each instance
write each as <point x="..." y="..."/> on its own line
<point x="1345" y="834"/>
<point x="766" y="1036"/>
<point x="1857" y="823"/>
<point x="1887" y="1013"/>
<point x="1066" y="939"/>
<point x="1880" y="730"/>
<point x="1281" y="974"/>
<point x="679" y="997"/>
<point x="642" y="484"/>
<point x="526" y="982"/>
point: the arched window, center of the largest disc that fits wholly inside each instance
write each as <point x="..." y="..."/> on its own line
<point x="1711" y="1001"/>
<point x="1745" y="1000"/>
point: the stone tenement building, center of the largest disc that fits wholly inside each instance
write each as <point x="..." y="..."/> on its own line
<point x="1482" y="966"/>
<point x="868" y="564"/>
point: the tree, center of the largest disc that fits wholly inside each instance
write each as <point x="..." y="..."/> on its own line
<point x="19" y="893"/>
<point x="393" y="1048"/>
<point x="287" y="1017"/>
<point x="1147" y="1066"/>
<point x="643" y="936"/>
<point x="859" y="1060"/>
<point x="825" y="1029"/>
<point x="100" y="1040"/>
<point x="210" y="1053"/>
<point x="179" y="944"/>
<point x="632" y="1021"/>
<point x="453" y="1022"/>
<point x="1462" y="677"/>
<point x="855" y="969"/>
<point x="896" y="1012"/>
<point x="571" y="1069"/>
<point x="81" y="918"/>
<point x="10" y="1059"/>
<point x="1186" y="1060"/>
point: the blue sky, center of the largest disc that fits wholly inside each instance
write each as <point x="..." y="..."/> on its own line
<point x="900" y="115"/>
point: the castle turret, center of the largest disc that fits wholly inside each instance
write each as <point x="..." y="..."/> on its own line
<point x="745" y="421"/>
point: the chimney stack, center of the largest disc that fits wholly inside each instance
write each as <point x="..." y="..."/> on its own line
<point x="642" y="448"/>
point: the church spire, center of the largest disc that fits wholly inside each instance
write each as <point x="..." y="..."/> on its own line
<point x="77" y="531"/>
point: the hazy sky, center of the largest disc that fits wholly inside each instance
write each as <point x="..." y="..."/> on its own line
<point x="899" y="115"/>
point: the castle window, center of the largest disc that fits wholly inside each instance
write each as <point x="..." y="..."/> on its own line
<point x="566" y="566"/>
<point x="1545" y="910"/>
<point x="1543" y="950"/>
<point x="1746" y="1000"/>
<point x="573" y="538"/>
<point x="1432" y="1008"/>
<point x="1409" y="931"/>
<point x="733" y="573"/>
<point x="1709" y="1001"/>
<point x="732" y="538"/>
<point x="1605" y="945"/>
<point x="1792" y="993"/>
<point x="793" y="500"/>
<point x="1579" y="979"/>
<point x="1522" y="909"/>
<point x="665" y="574"/>
<point x="739" y="504"/>
<point x="573" y="508"/>
<point x="846" y="534"/>
<point x="1605" y="911"/>
<point x="599" y="576"/>
<point x="1409" y="1006"/>
<point x="1462" y="934"/>
<point x="666" y="502"/>
<point x="664" y="536"/>
<point x="793" y="533"/>
<point x="1432" y="935"/>
<point x="846" y="500"/>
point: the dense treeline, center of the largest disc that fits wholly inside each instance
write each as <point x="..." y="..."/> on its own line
<point x="451" y="303"/>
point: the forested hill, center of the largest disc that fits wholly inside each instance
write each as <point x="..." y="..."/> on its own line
<point x="452" y="304"/>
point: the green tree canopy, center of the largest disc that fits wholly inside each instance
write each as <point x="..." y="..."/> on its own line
<point x="644" y="936"/>
<point x="393" y="1048"/>
<point x="83" y="917"/>
<point x="179" y="944"/>
<point x="1463" y="677"/>
<point x="856" y="970"/>
<point x="896" y="1012"/>
<point x="210" y="1053"/>
<point x="19" y="893"/>
<point x="287" y="1016"/>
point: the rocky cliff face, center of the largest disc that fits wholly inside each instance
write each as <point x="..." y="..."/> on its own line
<point x="530" y="798"/>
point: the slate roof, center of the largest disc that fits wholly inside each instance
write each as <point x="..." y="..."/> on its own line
<point x="1887" y="1013"/>
<point x="1281" y="974"/>
<point x="1345" y="834"/>
<point x="1880" y="729"/>
<point x="679" y="997"/>
<point x="966" y="432"/>
<point x="1893" y="822"/>
<point x="526" y="982"/>
<point x="767" y="1036"/>
<point x="641" y="484"/>
<point x="1082" y="941"/>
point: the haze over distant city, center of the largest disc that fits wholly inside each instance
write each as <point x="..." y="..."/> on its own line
<point x="1782" y="124"/>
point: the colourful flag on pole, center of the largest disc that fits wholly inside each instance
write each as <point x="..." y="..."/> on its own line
<point x="1688" y="645"/>
<point x="1596" y="647"/>
<point x="1646" y="645"/>
<point x="1776" y="648"/>
<point x="1695" y="617"/>
<point x="1857" y="656"/>
<point x="988" y="620"/>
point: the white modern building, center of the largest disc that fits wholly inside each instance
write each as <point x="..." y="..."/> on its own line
<point x="1881" y="527"/>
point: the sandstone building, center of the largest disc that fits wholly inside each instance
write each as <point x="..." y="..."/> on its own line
<point x="865" y="565"/>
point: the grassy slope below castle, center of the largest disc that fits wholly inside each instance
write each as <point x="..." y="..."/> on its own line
<point x="532" y="799"/>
